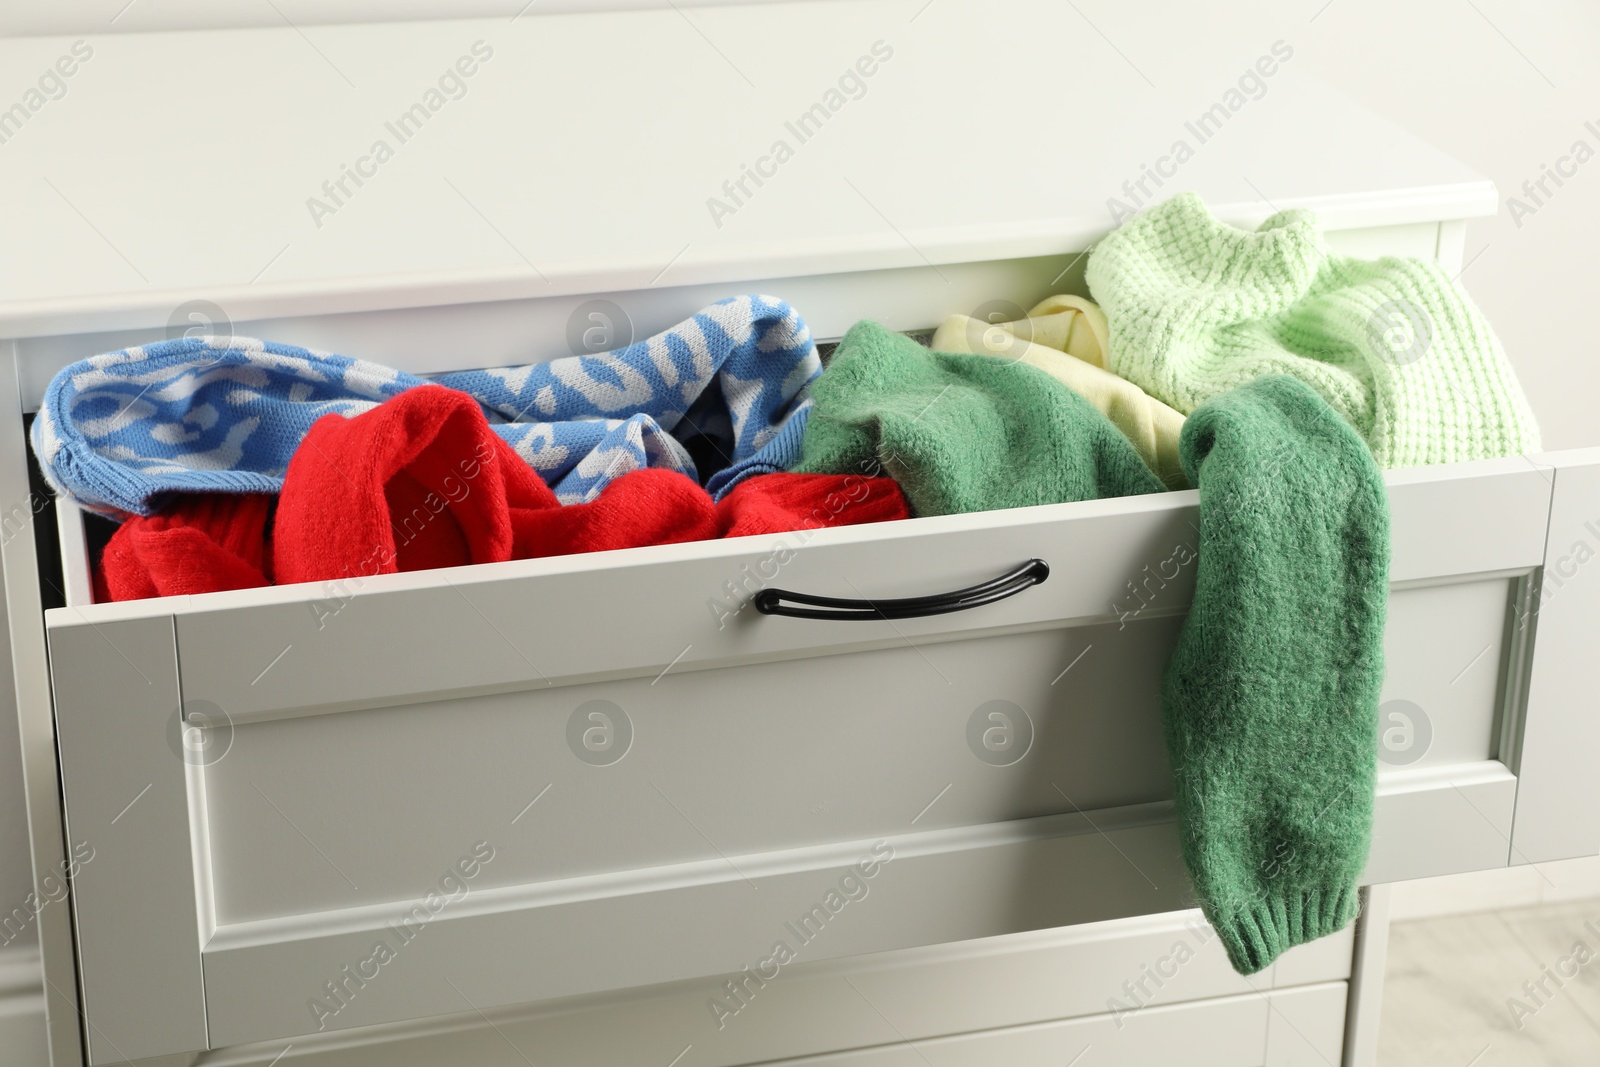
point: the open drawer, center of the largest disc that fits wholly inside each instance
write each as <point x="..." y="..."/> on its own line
<point x="358" y="803"/>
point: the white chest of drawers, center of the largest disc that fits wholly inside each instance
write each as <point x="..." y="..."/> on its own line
<point x="629" y="908"/>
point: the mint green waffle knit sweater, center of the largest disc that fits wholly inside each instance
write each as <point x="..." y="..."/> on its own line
<point x="1197" y="307"/>
<point x="1270" y="699"/>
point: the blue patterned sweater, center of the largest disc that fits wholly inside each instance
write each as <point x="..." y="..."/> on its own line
<point x="225" y="414"/>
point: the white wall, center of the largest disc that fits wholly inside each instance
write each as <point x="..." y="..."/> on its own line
<point x="1506" y="98"/>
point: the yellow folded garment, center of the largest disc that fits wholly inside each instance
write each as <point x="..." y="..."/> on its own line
<point x="1066" y="337"/>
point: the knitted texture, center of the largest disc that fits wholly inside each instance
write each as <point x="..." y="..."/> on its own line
<point x="1270" y="699"/>
<point x="657" y="507"/>
<point x="421" y="482"/>
<point x="225" y="414"/>
<point x="1197" y="308"/>
<point x="962" y="432"/>
<point x="779" y="503"/>
<point x="416" y="483"/>
<point x="203" y="543"/>
<point x="1066" y="337"/>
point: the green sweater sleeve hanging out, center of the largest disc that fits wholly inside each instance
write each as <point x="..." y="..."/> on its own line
<point x="1271" y="696"/>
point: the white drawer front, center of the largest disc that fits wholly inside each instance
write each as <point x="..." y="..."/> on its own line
<point x="1131" y="971"/>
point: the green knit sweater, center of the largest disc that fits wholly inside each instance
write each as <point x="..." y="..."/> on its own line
<point x="1197" y="307"/>
<point x="1271" y="696"/>
<point x="962" y="432"/>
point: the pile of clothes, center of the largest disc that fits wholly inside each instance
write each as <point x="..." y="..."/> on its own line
<point x="1257" y="367"/>
<point x="234" y="463"/>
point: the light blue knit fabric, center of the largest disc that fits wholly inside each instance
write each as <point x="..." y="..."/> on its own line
<point x="225" y="414"/>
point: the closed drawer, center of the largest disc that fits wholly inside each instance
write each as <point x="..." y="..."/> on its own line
<point x="1302" y="1027"/>
<point x="395" y="812"/>
<point x="1067" y="984"/>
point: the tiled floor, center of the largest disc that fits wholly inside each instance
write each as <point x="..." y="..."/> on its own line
<point x="1510" y="988"/>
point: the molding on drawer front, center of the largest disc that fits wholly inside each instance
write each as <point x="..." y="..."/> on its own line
<point x="753" y="867"/>
<point x="704" y="919"/>
<point x="1309" y="1024"/>
<point x="1037" y="977"/>
<point x="1486" y="780"/>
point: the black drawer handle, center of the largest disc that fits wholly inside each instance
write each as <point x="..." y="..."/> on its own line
<point x="1033" y="572"/>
